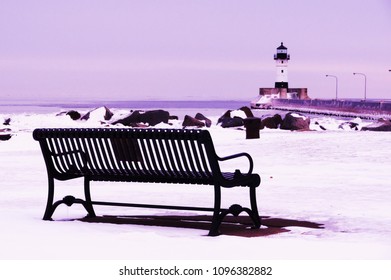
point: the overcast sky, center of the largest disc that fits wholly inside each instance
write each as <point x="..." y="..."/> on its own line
<point x="191" y="49"/>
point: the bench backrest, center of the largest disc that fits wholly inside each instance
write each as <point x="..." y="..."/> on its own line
<point x="171" y="155"/>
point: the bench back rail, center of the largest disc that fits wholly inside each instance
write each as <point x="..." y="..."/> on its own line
<point x="145" y="155"/>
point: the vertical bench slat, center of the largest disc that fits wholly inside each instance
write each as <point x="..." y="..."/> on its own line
<point x="73" y="156"/>
<point x="145" y="164"/>
<point x="77" y="160"/>
<point x="94" y="156"/>
<point x="133" y="166"/>
<point x="81" y="146"/>
<point x="87" y="149"/>
<point x="151" y="162"/>
<point x="205" y="168"/>
<point x="152" y="157"/>
<point x="120" y="159"/>
<point x="104" y="157"/>
<point x="100" y="156"/>
<point x="97" y="156"/>
<point x="174" y="147"/>
<point x="116" y="166"/>
<point x="190" y="157"/>
<point x="156" y="156"/>
<point x="65" y="156"/>
<point x="196" y="155"/>
<point x="173" y="155"/>
<point x="171" y="170"/>
<point x="52" y="152"/>
<point x="57" y="159"/>
<point x="56" y="150"/>
<point x="180" y="160"/>
<point x="184" y="157"/>
<point x="159" y="155"/>
<point x="138" y="167"/>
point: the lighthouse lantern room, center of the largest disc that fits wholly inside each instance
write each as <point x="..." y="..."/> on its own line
<point x="281" y="59"/>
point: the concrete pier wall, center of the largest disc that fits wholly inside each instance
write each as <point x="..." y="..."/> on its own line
<point x="300" y="93"/>
<point x="332" y="104"/>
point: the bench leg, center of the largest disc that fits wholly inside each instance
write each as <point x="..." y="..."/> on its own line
<point x="68" y="200"/>
<point x="216" y="219"/>
<point x="254" y="208"/>
<point x="235" y="209"/>
<point x="49" y="204"/>
<point x="88" y="203"/>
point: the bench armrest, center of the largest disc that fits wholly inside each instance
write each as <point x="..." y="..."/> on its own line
<point x="237" y="156"/>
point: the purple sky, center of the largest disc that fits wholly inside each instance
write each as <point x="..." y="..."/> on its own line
<point x="190" y="49"/>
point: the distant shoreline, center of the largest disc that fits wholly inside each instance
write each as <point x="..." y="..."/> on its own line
<point x="188" y="106"/>
<point x="147" y="104"/>
<point x="182" y="107"/>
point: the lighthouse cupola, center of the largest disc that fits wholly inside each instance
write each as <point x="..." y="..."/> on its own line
<point x="282" y="57"/>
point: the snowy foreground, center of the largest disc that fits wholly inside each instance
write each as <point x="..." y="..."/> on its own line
<point x="324" y="195"/>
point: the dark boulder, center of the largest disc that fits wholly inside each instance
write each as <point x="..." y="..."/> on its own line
<point x="348" y="125"/>
<point x="130" y="120"/>
<point x="5" y="137"/>
<point x="5" y="134"/>
<point x="246" y="113"/>
<point x="320" y="126"/>
<point x="295" y="121"/>
<point x="152" y="118"/>
<point x="380" y="125"/>
<point x="7" y="121"/>
<point x="232" y="122"/>
<point x="190" y="121"/>
<point x="201" y="117"/>
<point x="226" y="115"/>
<point x="75" y="115"/>
<point x="272" y="122"/>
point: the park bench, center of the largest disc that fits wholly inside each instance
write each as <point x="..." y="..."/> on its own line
<point x="180" y="156"/>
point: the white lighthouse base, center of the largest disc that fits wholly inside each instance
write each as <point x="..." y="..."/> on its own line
<point x="266" y="95"/>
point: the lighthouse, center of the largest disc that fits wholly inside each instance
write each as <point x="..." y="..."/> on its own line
<point x="270" y="96"/>
<point x="282" y="57"/>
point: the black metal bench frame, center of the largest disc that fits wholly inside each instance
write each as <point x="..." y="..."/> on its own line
<point x="142" y="155"/>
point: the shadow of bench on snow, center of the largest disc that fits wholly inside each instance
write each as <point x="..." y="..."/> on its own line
<point x="234" y="226"/>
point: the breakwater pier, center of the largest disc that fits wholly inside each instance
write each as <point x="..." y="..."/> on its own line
<point x="365" y="109"/>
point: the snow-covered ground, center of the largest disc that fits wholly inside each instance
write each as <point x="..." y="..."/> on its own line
<point x="325" y="194"/>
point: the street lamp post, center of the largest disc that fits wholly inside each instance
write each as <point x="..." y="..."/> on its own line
<point x="336" y="85"/>
<point x="365" y="84"/>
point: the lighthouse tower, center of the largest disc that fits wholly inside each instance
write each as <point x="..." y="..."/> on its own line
<point x="281" y="59"/>
<point x="272" y="96"/>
